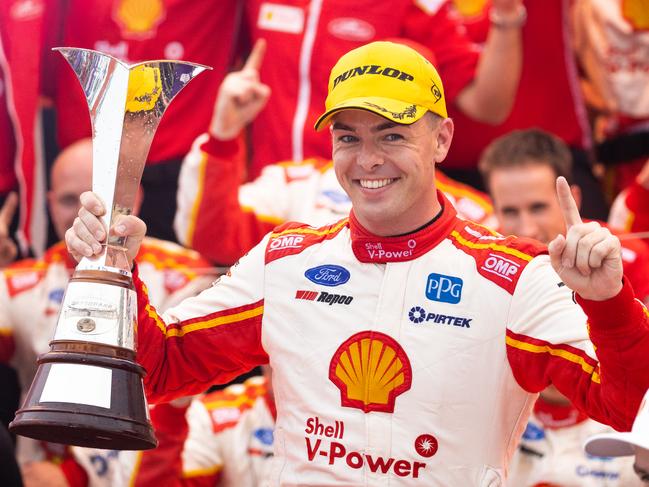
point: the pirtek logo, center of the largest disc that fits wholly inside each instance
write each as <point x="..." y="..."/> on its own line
<point x="324" y="297"/>
<point x="373" y="69"/>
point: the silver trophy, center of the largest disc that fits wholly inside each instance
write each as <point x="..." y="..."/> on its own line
<point x="88" y="388"/>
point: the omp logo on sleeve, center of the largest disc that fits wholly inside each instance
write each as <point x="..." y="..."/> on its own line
<point x="373" y="69"/>
<point x="499" y="265"/>
<point x="447" y="289"/>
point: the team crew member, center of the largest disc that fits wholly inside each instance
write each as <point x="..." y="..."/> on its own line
<point x="630" y="210"/>
<point x="220" y="439"/>
<point x="31" y="292"/>
<point x="551" y="451"/>
<point x="404" y="342"/>
<point x="209" y="194"/>
<point x="306" y="37"/>
<point x="520" y="170"/>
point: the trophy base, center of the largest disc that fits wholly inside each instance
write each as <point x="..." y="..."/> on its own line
<point x="86" y="400"/>
<point x="82" y="428"/>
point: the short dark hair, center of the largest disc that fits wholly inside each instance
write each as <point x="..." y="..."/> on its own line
<point x="526" y="147"/>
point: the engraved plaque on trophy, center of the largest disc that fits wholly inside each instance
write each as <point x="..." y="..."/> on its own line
<point x="88" y="388"/>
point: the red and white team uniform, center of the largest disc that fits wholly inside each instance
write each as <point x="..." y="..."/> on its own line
<point x="548" y="96"/>
<point x="210" y="195"/>
<point x="223" y="439"/>
<point x="413" y="359"/>
<point x="551" y="452"/>
<point x="31" y="292"/>
<point x="630" y="210"/>
<point x="305" y="38"/>
<point x="200" y="31"/>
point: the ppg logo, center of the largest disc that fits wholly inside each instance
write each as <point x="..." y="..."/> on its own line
<point x="447" y="289"/>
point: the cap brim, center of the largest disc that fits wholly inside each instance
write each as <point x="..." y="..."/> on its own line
<point x="395" y="110"/>
<point x="615" y="444"/>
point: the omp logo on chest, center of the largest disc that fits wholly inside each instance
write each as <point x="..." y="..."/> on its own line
<point x="373" y="69"/>
<point x="499" y="265"/>
<point x="446" y="289"/>
<point x="286" y="242"/>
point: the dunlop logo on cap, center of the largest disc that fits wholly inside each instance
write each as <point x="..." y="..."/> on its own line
<point x="373" y="69"/>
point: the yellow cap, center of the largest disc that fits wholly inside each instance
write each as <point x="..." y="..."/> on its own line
<point x="389" y="79"/>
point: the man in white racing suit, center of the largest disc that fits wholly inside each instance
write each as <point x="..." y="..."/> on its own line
<point x="407" y="345"/>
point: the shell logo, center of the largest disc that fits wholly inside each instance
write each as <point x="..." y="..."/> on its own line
<point x="371" y="369"/>
<point x="139" y="18"/>
<point x="636" y="13"/>
<point x="469" y="8"/>
<point x="144" y="89"/>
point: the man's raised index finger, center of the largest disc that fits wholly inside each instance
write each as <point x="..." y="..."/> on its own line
<point x="567" y="203"/>
<point x="256" y="56"/>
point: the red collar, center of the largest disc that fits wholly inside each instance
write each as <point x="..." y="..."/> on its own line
<point x="556" y="416"/>
<point x="370" y="248"/>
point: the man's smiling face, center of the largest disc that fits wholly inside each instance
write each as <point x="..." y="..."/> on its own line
<point x="388" y="169"/>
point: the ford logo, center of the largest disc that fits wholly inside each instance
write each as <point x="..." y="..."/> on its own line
<point x="328" y="275"/>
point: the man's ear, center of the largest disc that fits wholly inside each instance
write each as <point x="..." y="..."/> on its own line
<point x="444" y="137"/>
<point x="576" y="194"/>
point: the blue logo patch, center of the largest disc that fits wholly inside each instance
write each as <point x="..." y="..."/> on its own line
<point x="264" y="435"/>
<point x="533" y="432"/>
<point x="57" y="295"/>
<point x="328" y="275"/>
<point x="447" y="289"/>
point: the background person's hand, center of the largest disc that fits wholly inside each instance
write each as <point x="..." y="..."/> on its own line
<point x="588" y="259"/>
<point x="87" y="234"/>
<point x="241" y="97"/>
<point x="8" y="249"/>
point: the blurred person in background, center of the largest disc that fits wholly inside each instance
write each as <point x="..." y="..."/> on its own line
<point x="548" y="97"/>
<point x="200" y="31"/>
<point x="520" y="170"/>
<point x="305" y="38"/>
<point x="25" y="39"/>
<point x="630" y="209"/>
<point x="220" y="439"/>
<point x="31" y="292"/>
<point x="611" y="42"/>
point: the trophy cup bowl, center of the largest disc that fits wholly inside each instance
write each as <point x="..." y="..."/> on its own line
<point x="88" y="388"/>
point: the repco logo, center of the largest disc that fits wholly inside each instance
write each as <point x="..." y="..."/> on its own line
<point x="286" y="242"/>
<point x="373" y="69"/>
<point x="500" y="266"/>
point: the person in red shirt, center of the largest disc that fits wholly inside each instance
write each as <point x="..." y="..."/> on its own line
<point x="306" y="37"/>
<point x="201" y="31"/>
<point x="630" y="210"/>
<point x="548" y="97"/>
<point x="520" y="170"/>
<point x="24" y="39"/>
